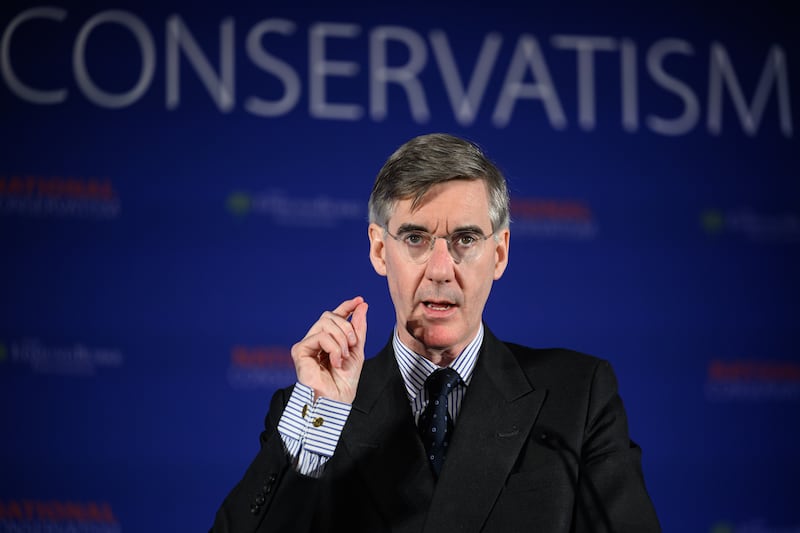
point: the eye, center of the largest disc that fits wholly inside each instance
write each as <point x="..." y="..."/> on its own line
<point x="466" y="239"/>
<point x="415" y="238"/>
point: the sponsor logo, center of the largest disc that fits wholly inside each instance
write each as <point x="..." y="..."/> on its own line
<point x="752" y="226"/>
<point x="66" y="360"/>
<point x="285" y="210"/>
<point x="753" y="380"/>
<point x="40" y="196"/>
<point x="552" y="219"/>
<point x="753" y="526"/>
<point x="55" y="516"/>
<point x="260" y="367"/>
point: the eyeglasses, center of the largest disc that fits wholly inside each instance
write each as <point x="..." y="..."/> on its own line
<point x="464" y="246"/>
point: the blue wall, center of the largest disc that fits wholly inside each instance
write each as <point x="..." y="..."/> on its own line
<point x="183" y="191"/>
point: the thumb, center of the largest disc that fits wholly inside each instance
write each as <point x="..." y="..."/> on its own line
<point x="359" y="323"/>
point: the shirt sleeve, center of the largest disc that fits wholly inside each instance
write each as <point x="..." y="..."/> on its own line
<point x="310" y="430"/>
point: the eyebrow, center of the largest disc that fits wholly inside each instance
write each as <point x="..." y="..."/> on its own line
<point x="405" y="228"/>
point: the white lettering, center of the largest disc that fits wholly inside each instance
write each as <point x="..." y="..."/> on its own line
<point x="721" y="73"/>
<point x="320" y="68"/>
<point x="26" y="92"/>
<point x="380" y="75"/>
<point x="390" y="60"/>
<point x="465" y="104"/>
<point x="629" y="85"/>
<point x="585" y="48"/>
<point x="222" y="87"/>
<point x="273" y="65"/>
<point x="688" y="119"/>
<point x="528" y="55"/>
<point x="146" y="46"/>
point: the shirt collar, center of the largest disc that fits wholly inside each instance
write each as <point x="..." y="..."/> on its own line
<point x="415" y="369"/>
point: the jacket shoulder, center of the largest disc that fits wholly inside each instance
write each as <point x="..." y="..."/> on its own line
<point x="552" y="356"/>
<point x="547" y="366"/>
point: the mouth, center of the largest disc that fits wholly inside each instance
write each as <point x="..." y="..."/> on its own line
<point x="438" y="306"/>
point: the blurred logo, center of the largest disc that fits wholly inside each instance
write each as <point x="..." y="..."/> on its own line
<point x="55" y="516"/>
<point x="552" y="219"/>
<point x="752" y="226"/>
<point x="283" y="209"/>
<point x="64" y="360"/>
<point x="753" y="380"/>
<point x="260" y="367"/>
<point x="239" y="203"/>
<point x="40" y="196"/>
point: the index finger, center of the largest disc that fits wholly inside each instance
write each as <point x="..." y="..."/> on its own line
<point x="347" y="307"/>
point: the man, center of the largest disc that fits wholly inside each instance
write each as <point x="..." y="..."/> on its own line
<point x="447" y="428"/>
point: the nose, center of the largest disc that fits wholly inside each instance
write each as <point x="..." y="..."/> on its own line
<point x="440" y="264"/>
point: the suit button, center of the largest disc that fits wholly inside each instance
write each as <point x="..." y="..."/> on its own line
<point x="260" y="499"/>
<point x="254" y="509"/>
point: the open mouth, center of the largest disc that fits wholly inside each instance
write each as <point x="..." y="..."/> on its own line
<point x="438" y="306"/>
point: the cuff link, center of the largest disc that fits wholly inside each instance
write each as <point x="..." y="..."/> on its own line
<point x="317" y="422"/>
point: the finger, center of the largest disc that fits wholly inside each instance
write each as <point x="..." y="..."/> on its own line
<point x="347" y="307"/>
<point x="327" y="338"/>
<point x="359" y="324"/>
<point x="333" y="349"/>
<point x="335" y="324"/>
<point x="340" y="316"/>
<point x="341" y="330"/>
<point x="330" y="322"/>
<point x="353" y="334"/>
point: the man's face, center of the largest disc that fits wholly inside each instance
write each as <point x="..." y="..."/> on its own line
<point x="439" y="303"/>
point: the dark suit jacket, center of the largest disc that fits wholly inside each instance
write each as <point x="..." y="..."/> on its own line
<point x="541" y="444"/>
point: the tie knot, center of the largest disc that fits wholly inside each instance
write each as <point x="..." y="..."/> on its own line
<point x="441" y="382"/>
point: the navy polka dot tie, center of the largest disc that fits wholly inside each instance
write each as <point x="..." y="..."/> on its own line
<point x="435" y="425"/>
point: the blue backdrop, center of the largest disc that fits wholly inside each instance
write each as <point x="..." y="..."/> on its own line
<point x="183" y="191"/>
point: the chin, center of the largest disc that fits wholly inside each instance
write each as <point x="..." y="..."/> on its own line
<point x="439" y="337"/>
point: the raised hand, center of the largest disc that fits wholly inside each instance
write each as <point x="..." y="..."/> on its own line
<point x="330" y="357"/>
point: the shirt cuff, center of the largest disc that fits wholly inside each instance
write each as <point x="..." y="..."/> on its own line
<point x="317" y="425"/>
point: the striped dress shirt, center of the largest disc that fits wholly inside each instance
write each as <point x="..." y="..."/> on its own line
<point x="310" y="430"/>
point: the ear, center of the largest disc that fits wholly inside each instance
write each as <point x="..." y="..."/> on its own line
<point x="501" y="252"/>
<point x="377" y="249"/>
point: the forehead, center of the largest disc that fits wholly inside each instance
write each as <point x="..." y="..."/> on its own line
<point x="455" y="203"/>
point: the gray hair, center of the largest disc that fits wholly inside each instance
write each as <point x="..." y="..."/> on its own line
<point x="429" y="160"/>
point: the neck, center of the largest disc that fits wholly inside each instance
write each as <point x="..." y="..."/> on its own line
<point x="441" y="356"/>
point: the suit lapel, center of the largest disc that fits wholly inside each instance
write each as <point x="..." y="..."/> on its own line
<point x="381" y="438"/>
<point x="496" y="418"/>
